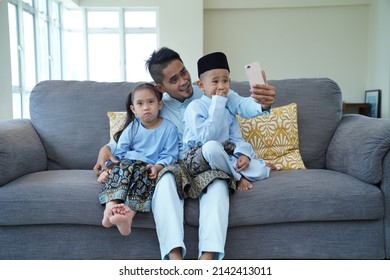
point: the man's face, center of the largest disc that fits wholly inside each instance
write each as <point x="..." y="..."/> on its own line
<point x="177" y="81"/>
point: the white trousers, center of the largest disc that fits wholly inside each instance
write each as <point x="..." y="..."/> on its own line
<point x="217" y="158"/>
<point x="168" y="212"/>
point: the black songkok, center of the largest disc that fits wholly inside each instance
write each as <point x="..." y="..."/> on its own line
<point x="216" y="60"/>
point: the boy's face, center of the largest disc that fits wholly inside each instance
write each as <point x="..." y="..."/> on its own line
<point x="215" y="82"/>
<point x="177" y="81"/>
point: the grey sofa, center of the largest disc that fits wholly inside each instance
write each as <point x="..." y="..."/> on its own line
<point x="339" y="208"/>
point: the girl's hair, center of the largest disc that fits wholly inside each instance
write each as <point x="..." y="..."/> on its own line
<point x="129" y="101"/>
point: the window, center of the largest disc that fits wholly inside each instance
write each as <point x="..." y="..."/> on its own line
<point x="35" y="48"/>
<point x="112" y="44"/>
<point x="49" y="41"/>
<point x="74" y="61"/>
<point x="14" y="46"/>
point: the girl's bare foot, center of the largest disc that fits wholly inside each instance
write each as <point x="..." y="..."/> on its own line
<point x="244" y="184"/>
<point x="122" y="218"/>
<point x="107" y="214"/>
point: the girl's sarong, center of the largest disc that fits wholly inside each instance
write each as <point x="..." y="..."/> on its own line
<point x="129" y="183"/>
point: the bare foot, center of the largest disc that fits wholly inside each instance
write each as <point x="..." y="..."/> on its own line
<point x="175" y="254"/>
<point x="272" y="166"/>
<point x="107" y="214"/>
<point x="122" y="218"/>
<point x="207" y="256"/>
<point x="244" y="184"/>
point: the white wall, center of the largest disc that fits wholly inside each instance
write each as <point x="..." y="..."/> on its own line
<point x="379" y="52"/>
<point x="306" y="41"/>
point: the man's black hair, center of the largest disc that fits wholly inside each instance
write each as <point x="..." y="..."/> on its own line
<point x="158" y="61"/>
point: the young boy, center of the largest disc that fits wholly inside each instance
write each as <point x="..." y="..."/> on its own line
<point x="208" y="122"/>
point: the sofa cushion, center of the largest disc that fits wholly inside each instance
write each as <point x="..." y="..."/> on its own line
<point x="301" y="196"/>
<point x="274" y="137"/>
<point x="319" y="101"/>
<point x="71" y="119"/>
<point x="66" y="127"/>
<point x="56" y="197"/>
<point x="117" y="121"/>
<point x="345" y="153"/>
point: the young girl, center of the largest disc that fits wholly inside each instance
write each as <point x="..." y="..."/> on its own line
<point x="146" y="145"/>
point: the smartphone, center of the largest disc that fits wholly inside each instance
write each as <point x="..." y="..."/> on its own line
<point x="253" y="73"/>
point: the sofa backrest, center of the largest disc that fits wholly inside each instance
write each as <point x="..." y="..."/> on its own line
<point x="71" y="116"/>
<point x="319" y="108"/>
<point x="71" y="119"/>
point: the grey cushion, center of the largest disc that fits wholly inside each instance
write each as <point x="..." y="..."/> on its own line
<point x="350" y="157"/>
<point x="21" y="150"/>
<point x="73" y="132"/>
<point x="66" y="133"/>
<point x="57" y="197"/>
<point x="301" y="196"/>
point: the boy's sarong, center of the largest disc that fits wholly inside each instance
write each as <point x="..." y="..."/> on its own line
<point x="193" y="186"/>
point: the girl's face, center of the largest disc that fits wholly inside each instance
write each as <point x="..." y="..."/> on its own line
<point x="146" y="107"/>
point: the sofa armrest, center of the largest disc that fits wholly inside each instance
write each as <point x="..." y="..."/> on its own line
<point x="358" y="147"/>
<point x="385" y="187"/>
<point x="21" y="150"/>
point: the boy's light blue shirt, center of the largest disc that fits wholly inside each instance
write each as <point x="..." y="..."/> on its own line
<point x="208" y="119"/>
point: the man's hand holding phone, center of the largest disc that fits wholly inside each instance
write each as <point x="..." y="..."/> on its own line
<point x="260" y="90"/>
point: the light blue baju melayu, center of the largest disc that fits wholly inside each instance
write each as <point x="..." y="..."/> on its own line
<point x="208" y="121"/>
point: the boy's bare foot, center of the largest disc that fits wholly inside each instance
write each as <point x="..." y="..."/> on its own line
<point x="272" y="166"/>
<point x="122" y="218"/>
<point x="244" y="184"/>
<point x="107" y="214"/>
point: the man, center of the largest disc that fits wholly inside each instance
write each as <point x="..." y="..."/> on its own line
<point x="171" y="77"/>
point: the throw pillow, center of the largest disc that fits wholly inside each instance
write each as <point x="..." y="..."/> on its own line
<point x="274" y="137"/>
<point x="117" y="121"/>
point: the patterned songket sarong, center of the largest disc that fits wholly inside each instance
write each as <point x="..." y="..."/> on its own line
<point x="194" y="186"/>
<point x="129" y="183"/>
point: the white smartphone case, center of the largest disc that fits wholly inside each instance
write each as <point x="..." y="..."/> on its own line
<point x="253" y="73"/>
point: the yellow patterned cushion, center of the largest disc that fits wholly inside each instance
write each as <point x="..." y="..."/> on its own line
<point x="274" y="137"/>
<point x="117" y="121"/>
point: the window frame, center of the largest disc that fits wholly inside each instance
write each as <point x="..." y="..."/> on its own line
<point x="54" y="49"/>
